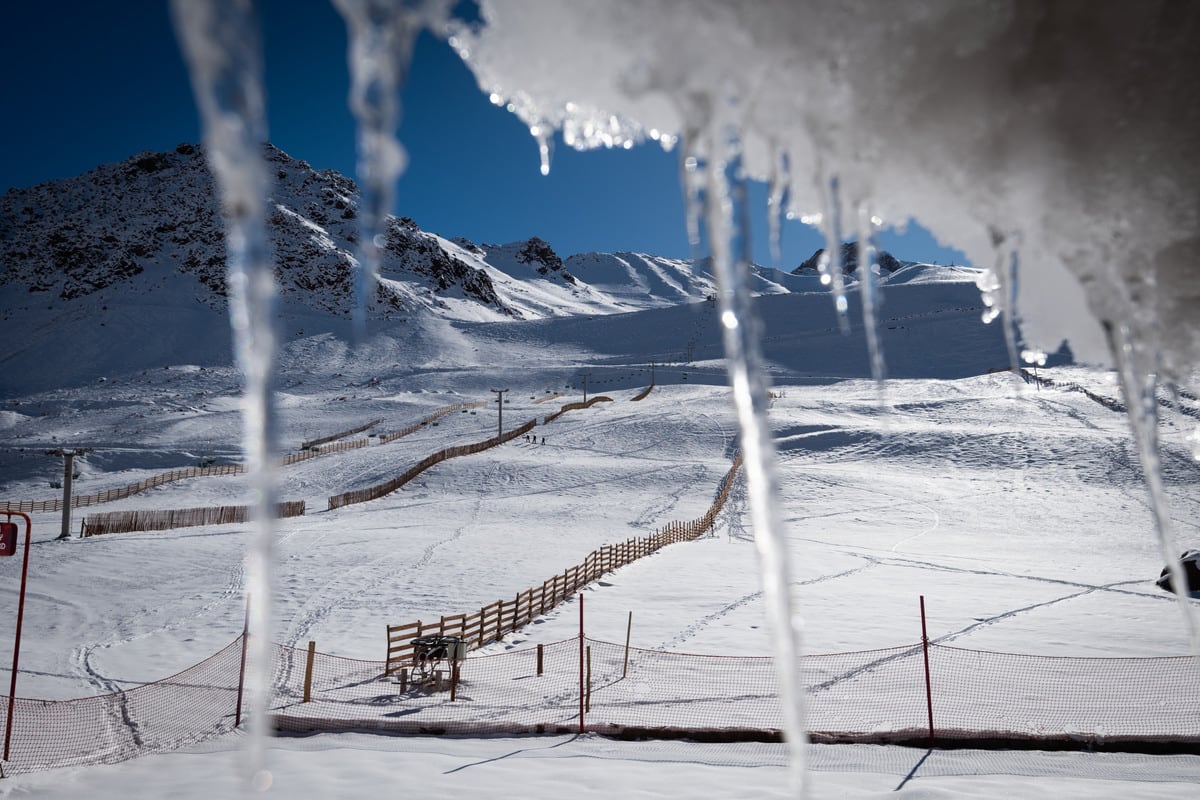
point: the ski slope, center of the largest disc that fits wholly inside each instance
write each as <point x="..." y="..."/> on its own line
<point x="1018" y="513"/>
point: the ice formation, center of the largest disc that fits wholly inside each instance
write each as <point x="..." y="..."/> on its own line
<point x="221" y="44"/>
<point x="382" y="33"/>
<point x="1071" y="127"/>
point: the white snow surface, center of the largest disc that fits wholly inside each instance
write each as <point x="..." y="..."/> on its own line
<point x="1019" y="514"/>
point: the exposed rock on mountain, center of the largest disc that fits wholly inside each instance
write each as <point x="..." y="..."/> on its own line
<point x="887" y="262"/>
<point x="156" y="213"/>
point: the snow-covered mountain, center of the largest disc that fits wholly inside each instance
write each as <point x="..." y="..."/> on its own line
<point x="151" y="225"/>
<point x="123" y="268"/>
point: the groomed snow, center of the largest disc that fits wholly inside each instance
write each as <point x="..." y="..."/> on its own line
<point x="1019" y="514"/>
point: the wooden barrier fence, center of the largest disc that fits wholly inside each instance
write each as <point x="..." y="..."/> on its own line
<point x="492" y="622"/>
<point x="165" y="519"/>
<point x="120" y="493"/>
<point x="340" y="434"/>
<point x="643" y="394"/>
<point x="432" y="418"/>
<point x="387" y="487"/>
<point x="575" y="407"/>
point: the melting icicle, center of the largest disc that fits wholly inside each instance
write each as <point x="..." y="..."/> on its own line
<point x="381" y="35"/>
<point x="868" y="289"/>
<point x="726" y="220"/>
<point x="544" y="136"/>
<point x="778" y="200"/>
<point x="998" y="290"/>
<point x="1010" y="313"/>
<point x="221" y="44"/>
<point x="691" y="181"/>
<point x="830" y="263"/>
<point x="1139" y="384"/>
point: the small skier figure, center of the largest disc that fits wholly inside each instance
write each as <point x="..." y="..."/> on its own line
<point x="543" y="440"/>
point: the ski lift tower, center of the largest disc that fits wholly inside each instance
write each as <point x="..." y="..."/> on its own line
<point x="68" y="457"/>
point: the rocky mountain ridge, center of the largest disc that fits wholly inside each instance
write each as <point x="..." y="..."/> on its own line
<point x="156" y="214"/>
<point x="151" y="224"/>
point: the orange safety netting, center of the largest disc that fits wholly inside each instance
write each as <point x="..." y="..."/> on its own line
<point x="978" y="698"/>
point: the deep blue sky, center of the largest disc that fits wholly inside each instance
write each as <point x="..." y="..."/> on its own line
<point x="92" y="82"/>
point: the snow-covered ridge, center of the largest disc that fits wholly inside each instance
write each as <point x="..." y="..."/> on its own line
<point x="151" y="226"/>
<point x="123" y="269"/>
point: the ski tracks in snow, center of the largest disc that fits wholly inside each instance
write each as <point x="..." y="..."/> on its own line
<point x="697" y="627"/>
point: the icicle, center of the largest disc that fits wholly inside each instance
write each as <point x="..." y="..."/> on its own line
<point x="830" y="263"/>
<point x="728" y="234"/>
<point x="998" y="290"/>
<point x="691" y="181"/>
<point x="221" y="44"/>
<point x="1139" y="384"/>
<point x="381" y="35"/>
<point x="867" y="288"/>
<point x="778" y="200"/>
<point x="1010" y="313"/>
<point x="545" y="141"/>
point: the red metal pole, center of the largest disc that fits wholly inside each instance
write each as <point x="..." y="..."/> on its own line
<point x="12" y="690"/>
<point x="237" y="714"/>
<point x="581" y="724"/>
<point x="928" y="684"/>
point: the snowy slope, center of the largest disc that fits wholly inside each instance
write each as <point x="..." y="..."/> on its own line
<point x="133" y="253"/>
<point x="1020" y="515"/>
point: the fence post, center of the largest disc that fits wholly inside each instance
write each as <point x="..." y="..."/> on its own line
<point x="540" y="661"/>
<point x="581" y="722"/>
<point x="308" y="666"/>
<point x="628" y="631"/>
<point x="237" y="713"/>
<point x="928" y="683"/>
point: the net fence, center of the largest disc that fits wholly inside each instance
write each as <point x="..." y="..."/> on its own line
<point x="979" y="698"/>
<point x="187" y="708"/>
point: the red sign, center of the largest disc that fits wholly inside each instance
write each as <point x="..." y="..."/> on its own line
<point x="8" y="538"/>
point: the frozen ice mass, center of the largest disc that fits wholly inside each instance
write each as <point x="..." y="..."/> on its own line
<point x="1066" y="132"/>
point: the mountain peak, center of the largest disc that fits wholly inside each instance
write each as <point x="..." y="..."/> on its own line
<point x="886" y="261"/>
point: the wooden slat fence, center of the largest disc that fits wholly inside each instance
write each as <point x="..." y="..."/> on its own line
<point x="492" y="622"/>
<point x="1107" y="402"/>
<point x="120" y="493"/>
<point x="324" y="450"/>
<point x="432" y="418"/>
<point x="549" y="397"/>
<point x="387" y="487"/>
<point x="165" y="519"/>
<point x="575" y="407"/>
<point x="340" y="434"/>
<point x="643" y="394"/>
